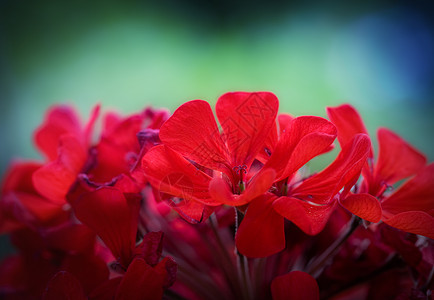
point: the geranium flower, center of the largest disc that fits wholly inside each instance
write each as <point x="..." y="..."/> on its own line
<point x="308" y="204"/>
<point x="194" y="148"/>
<point x="65" y="143"/>
<point x="411" y="207"/>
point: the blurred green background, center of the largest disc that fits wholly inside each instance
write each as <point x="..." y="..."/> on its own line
<point x="377" y="55"/>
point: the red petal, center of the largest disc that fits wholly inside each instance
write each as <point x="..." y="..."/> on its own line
<point x="58" y="121"/>
<point x="220" y="191"/>
<point x="295" y="285"/>
<point x="107" y="212"/>
<point x="417" y="194"/>
<point x="246" y="120"/>
<point x="417" y="222"/>
<point x="261" y="233"/>
<point x="273" y="138"/>
<point x="192" y="131"/>
<point x="396" y="159"/>
<point x="55" y="178"/>
<point x="259" y="184"/>
<point x="364" y="206"/>
<point x="284" y="122"/>
<point x="191" y="211"/>
<point x="170" y="173"/>
<point x="20" y="197"/>
<point x="305" y="138"/>
<point x="344" y="171"/>
<point x="88" y="129"/>
<point x="64" y="285"/>
<point x="308" y="216"/>
<point x="140" y="282"/>
<point x="348" y="122"/>
<point x="19" y="177"/>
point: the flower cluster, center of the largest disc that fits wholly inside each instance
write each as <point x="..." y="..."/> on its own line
<point x="184" y="207"/>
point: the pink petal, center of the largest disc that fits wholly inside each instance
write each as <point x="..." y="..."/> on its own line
<point x="364" y="206"/>
<point x="396" y="159"/>
<point x="192" y="131"/>
<point x="261" y="233"/>
<point x="246" y="120"/>
<point x="295" y="285"/>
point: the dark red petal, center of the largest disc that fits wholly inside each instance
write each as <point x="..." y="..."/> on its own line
<point x="89" y="269"/>
<point x="364" y="206"/>
<point x="343" y="172"/>
<point x="193" y="132"/>
<point x="246" y="120"/>
<point x="55" y="178"/>
<point x="140" y="282"/>
<point x="106" y="290"/>
<point x="152" y="246"/>
<point x="58" y="121"/>
<point x="417" y="194"/>
<point x="396" y="159"/>
<point x="172" y="174"/>
<point x="64" y="285"/>
<point x="417" y="222"/>
<point x="295" y="285"/>
<point x="167" y="267"/>
<point x="305" y="138"/>
<point x="107" y="212"/>
<point x="308" y="216"/>
<point x="261" y="233"/>
<point x="348" y="122"/>
<point x="70" y="237"/>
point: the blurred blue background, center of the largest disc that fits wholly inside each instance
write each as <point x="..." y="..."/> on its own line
<point x="377" y="55"/>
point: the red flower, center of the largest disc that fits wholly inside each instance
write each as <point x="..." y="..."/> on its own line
<point x="65" y="143"/>
<point x="411" y="207"/>
<point x="246" y="120"/>
<point x="308" y="204"/>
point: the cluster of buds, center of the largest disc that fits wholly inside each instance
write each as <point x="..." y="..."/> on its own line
<point x="160" y="206"/>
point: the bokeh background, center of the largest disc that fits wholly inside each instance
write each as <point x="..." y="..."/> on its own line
<point x="377" y="55"/>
